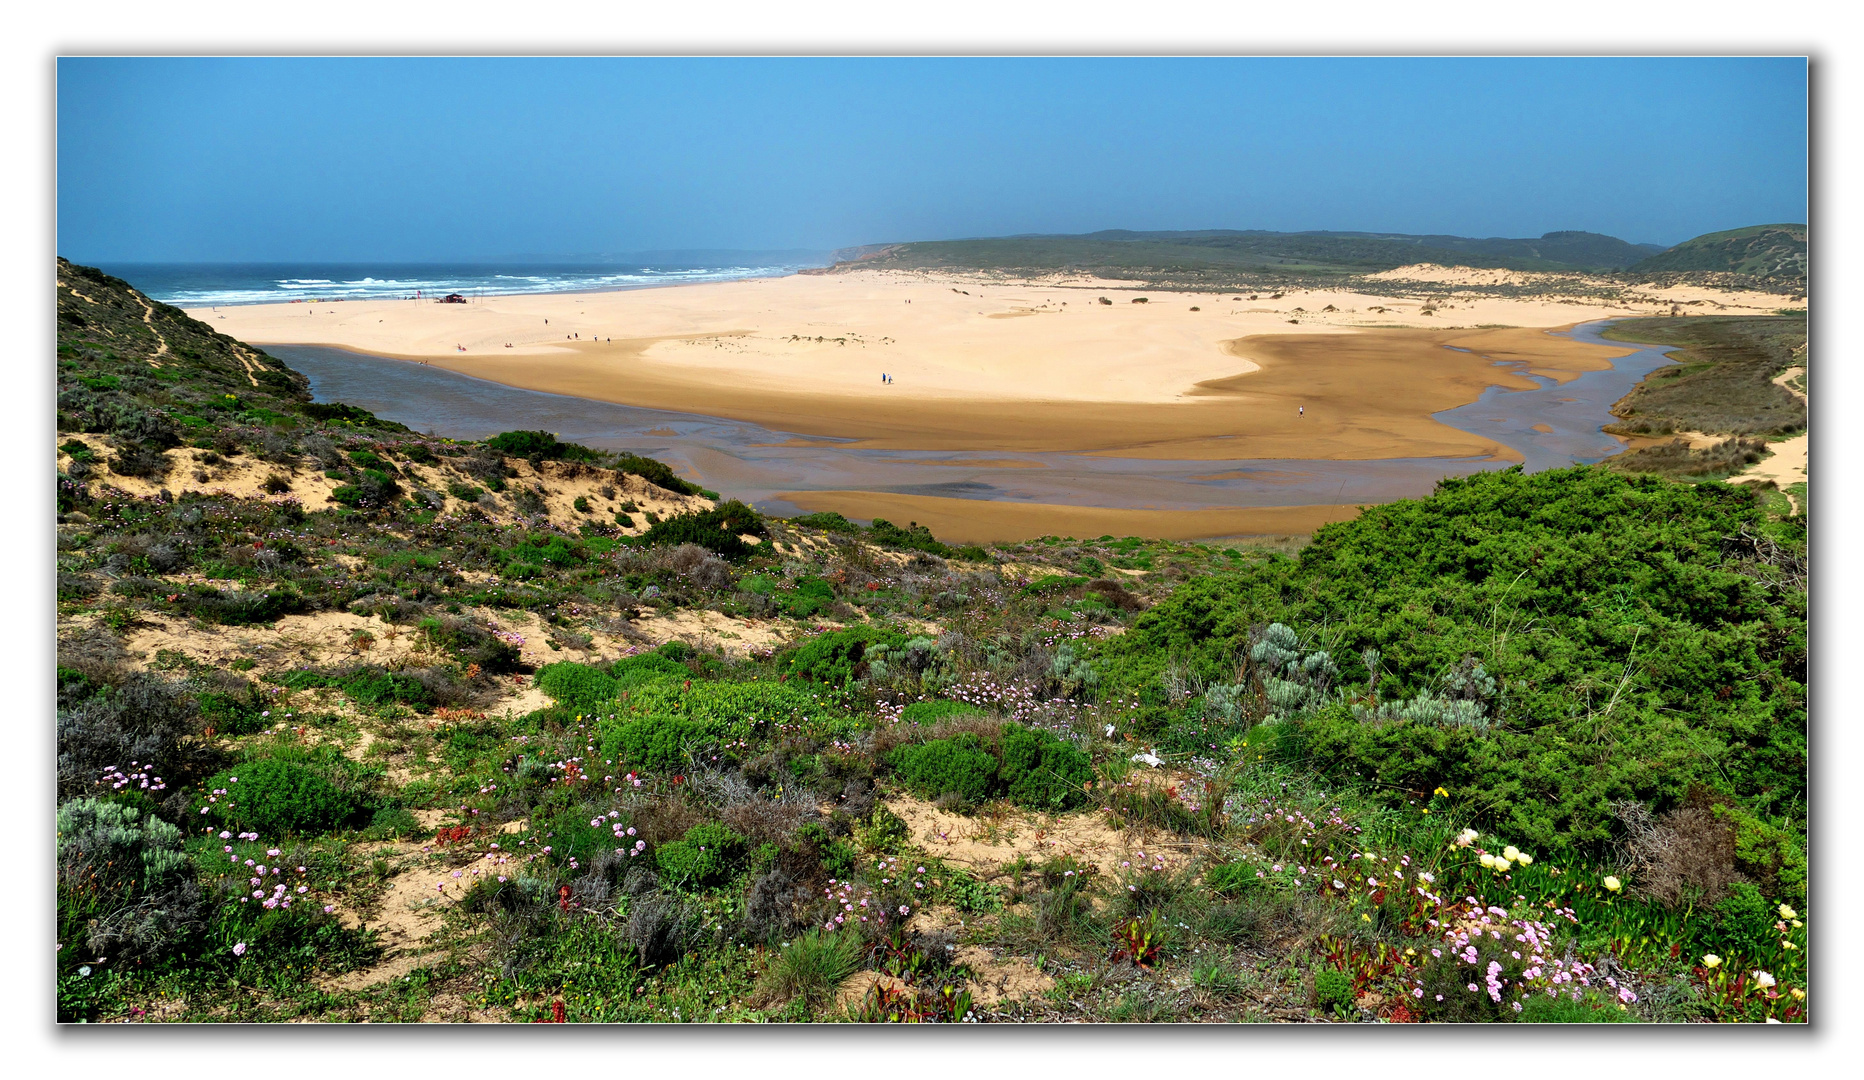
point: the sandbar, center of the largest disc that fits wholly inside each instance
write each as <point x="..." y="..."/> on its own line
<point x="1306" y="375"/>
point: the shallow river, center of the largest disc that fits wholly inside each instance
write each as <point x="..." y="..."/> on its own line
<point x="750" y="462"/>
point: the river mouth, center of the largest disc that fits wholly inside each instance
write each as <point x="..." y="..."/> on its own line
<point x="1561" y="424"/>
<point x="756" y="463"/>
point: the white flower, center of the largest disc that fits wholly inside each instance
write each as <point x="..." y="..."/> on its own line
<point x="1763" y="980"/>
<point x="1466" y="837"/>
<point x="1613" y="883"/>
<point x="1788" y="913"/>
<point x="1710" y="960"/>
<point x="1525" y="859"/>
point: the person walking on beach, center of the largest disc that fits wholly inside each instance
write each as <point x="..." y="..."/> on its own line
<point x="1303" y="411"/>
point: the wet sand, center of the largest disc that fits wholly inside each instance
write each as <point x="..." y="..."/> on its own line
<point x="974" y="521"/>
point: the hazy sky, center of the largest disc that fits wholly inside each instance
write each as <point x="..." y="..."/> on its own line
<point x="415" y="159"/>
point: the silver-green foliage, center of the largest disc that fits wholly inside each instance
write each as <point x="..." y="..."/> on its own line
<point x="1293" y="680"/>
<point x="117" y="842"/>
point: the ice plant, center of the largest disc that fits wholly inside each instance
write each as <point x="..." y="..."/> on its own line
<point x="1612" y="883"/>
<point x="1711" y="961"/>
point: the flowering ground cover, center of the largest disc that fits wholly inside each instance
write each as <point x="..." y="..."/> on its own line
<point x="1529" y="750"/>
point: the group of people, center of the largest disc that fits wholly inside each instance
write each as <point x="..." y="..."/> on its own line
<point x="885" y="378"/>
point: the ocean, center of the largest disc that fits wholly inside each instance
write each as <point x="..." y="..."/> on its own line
<point x="197" y="285"/>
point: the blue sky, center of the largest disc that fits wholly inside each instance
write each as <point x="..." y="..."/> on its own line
<point x="440" y="159"/>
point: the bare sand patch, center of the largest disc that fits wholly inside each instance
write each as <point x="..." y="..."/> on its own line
<point x="1785" y="464"/>
<point x="984" y="844"/>
<point x="975" y="521"/>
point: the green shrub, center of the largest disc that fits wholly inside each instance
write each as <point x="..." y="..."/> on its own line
<point x="837" y="658"/>
<point x="581" y="504"/>
<point x="1333" y="991"/>
<point x="958" y="765"/>
<point x="277" y="798"/>
<point x="240" y="607"/>
<point x="577" y="686"/>
<point x="719" y="529"/>
<point x="1552" y="582"/>
<point x="706" y="856"/>
<point x="239" y="712"/>
<point x="1772" y="856"/>
<point x="1742" y="924"/>
<point x="1041" y="771"/>
<point x="827" y="520"/>
<point x="915" y="537"/>
<point x="373" y="489"/>
<point x="648" y="667"/>
<point x="654" y="472"/>
<point x="656" y="742"/>
<point x="539" y="446"/>
<point x="376" y="687"/>
<point x="810" y="596"/>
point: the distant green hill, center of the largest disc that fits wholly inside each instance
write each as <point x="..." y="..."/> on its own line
<point x="1220" y="250"/>
<point x="1764" y="251"/>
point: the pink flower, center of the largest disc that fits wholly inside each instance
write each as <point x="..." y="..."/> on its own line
<point x="239" y="948"/>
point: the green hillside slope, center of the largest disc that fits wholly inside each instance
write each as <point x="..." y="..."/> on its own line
<point x="1772" y="252"/>
<point x="1254" y="250"/>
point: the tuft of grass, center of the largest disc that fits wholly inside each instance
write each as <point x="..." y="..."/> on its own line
<point x="811" y="968"/>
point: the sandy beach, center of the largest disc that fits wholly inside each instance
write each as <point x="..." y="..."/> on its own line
<point x="995" y="367"/>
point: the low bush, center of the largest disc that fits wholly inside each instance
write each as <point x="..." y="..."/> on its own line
<point x="1041" y="771"/>
<point x="539" y="446"/>
<point x="837" y="658"/>
<point x="959" y="765"/>
<point x="720" y="529"/>
<point x="654" y="472"/>
<point x="659" y="743"/>
<point x="1333" y="991"/>
<point x="277" y="798"/>
<point x="577" y="686"/>
<point x="707" y="856"/>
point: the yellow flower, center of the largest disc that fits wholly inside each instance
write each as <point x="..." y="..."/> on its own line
<point x="1788" y="913"/>
<point x="1441" y="792"/>
<point x="1526" y="859"/>
<point x="1796" y="922"/>
<point x="1798" y="994"/>
<point x="1363" y="917"/>
<point x="1410" y="952"/>
<point x="1710" y="960"/>
<point x="1613" y="884"/>
<point x="1511" y="853"/>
